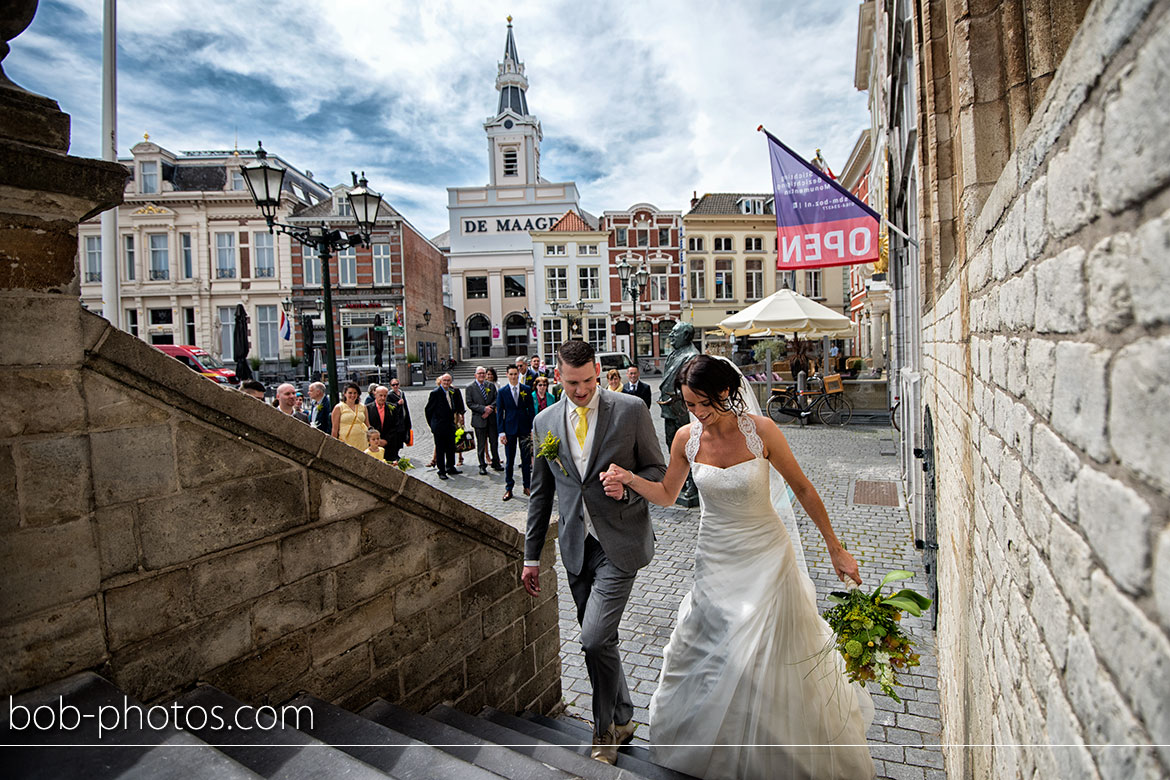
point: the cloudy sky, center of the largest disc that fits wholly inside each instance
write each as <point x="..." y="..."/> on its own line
<point x="644" y="101"/>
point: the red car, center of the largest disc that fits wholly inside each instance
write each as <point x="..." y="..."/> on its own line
<point x="199" y="360"/>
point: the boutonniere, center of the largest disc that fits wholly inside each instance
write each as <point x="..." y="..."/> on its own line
<point x="550" y="449"/>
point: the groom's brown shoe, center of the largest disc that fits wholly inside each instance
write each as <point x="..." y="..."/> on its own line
<point x="605" y="747"/>
<point x="624" y="732"/>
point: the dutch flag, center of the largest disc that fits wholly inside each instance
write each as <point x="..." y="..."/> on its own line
<point x="285" y="327"/>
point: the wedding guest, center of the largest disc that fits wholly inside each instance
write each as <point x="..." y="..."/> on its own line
<point x="636" y="386"/>
<point x="374" y="444"/>
<point x="543" y="396"/>
<point x="349" y="421"/>
<point x="401" y="430"/>
<point x="286" y="401"/>
<point x="613" y="380"/>
<point x="320" y="409"/>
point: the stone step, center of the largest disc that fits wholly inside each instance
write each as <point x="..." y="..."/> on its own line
<point x="554" y="755"/>
<point x="461" y="745"/>
<point x="125" y="750"/>
<point x="275" y="752"/>
<point x="640" y="763"/>
<point x="383" y="746"/>
<point x="581" y="732"/>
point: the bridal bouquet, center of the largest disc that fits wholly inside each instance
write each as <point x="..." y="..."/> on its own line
<point x="550" y="449"/>
<point x="868" y="635"/>
<point x="404" y="464"/>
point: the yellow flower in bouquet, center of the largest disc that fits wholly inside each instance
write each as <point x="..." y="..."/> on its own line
<point x="550" y="449"/>
<point x="867" y="633"/>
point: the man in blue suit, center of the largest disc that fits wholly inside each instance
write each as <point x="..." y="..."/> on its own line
<point x="514" y="422"/>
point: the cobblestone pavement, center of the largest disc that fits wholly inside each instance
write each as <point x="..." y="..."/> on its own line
<point x="904" y="738"/>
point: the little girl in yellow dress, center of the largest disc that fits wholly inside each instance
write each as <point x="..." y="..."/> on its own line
<point x="374" y="438"/>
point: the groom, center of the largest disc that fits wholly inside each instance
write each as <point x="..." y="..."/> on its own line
<point x="604" y="541"/>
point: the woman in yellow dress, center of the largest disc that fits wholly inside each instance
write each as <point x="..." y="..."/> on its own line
<point x="349" y="418"/>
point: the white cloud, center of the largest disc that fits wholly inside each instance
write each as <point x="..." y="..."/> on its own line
<point x="640" y="101"/>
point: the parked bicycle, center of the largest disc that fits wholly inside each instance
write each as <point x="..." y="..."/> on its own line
<point x="831" y="408"/>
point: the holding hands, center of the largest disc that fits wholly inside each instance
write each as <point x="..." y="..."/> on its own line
<point x="615" y="479"/>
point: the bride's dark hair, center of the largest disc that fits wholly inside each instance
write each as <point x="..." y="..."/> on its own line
<point x="710" y="376"/>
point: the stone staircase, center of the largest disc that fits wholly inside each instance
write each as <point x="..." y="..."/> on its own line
<point x="88" y="728"/>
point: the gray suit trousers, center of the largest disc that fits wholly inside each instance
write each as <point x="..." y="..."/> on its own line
<point x="600" y="592"/>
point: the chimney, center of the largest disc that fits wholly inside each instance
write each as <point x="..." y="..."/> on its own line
<point x="694" y="198"/>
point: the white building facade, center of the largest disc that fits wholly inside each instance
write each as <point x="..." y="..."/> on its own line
<point x="490" y="267"/>
<point x="572" y="294"/>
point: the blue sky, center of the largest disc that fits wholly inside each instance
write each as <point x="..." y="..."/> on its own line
<point x="638" y="101"/>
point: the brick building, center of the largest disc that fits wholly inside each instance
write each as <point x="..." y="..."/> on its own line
<point x="399" y="276"/>
<point x="644" y="235"/>
<point x="1032" y="317"/>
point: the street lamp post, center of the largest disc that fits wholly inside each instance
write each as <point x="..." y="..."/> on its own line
<point x="633" y="282"/>
<point x="265" y="181"/>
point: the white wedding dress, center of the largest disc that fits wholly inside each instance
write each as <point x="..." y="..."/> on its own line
<point x="751" y="686"/>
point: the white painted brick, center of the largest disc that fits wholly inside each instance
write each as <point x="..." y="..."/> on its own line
<point x="1108" y="269"/>
<point x="1072" y="176"/>
<point x="1149" y="268"/>
<point x="1018" y="301"/>
<point x="1055" y="466"/>
<point x="1017" y="254"/>
<point x="1010" y="472"/>
<point x="1041" y="374"/>
<point x="979" y="269"/>
<point x="991" y="316"/>
<point x="1049" y="610"/>
<point x="1106" y="717"/>
<point x="1035" y="217"/>
<point x="1136" y="652"/>
<point x="1136" y="144"/>
<point x="999" y="360"/>
<point x="1139" y="408"/>
<point x="1078" y="397"/>
<point x="1071" y="757"/>
<point x="1022" y="432"/>
<point x="1162" y="577"/>
<point x="1060" y="293"/>
<point x="1017" y="368"/>
<point x="1072" y="562"/>
<point x="1117" y="524"/>
<point x="999" y="262"/>
<point x="1003" y="415"/>
<point x="1035" y="513"/>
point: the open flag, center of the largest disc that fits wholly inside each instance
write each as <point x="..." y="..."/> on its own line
<point x="285" y="327"/>
<point x="818" y="222"/>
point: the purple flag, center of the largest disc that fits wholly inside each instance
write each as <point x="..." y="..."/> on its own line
<point x="818" y="222"/>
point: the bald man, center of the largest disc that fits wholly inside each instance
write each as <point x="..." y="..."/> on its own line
<point x="286" y="401"/>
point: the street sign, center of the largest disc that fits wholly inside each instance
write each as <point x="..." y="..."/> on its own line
<point x="380" y="329"/>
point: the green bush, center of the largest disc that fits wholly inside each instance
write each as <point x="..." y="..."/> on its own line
<point x="411" y="357"/>
<point x="254" y="362"/>
<point x="294" y="360"/>
<point x="779" y="349"/>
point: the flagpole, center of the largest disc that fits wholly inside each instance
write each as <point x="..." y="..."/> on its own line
<point x="111" y="294"/>
<point x="899" y="231"/>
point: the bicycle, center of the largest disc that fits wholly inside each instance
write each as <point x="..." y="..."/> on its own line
<point x="786" y="406"/>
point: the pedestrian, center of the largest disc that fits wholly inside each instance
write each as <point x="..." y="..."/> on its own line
<point x="613" y="380"/>
<point x="320" y="409"/>
<point x="542" y="396"/>
<point x="380" y="413"/>
<point x="480" y="396"/>
<point x="515" y="426"/>
<point x="444" y="407"/>
<point x="253" y="388"/>
<point x="349" y="421"/>
<point x="374" y="444"/>
<point x="286" y="401"/>
<point x="401" y="429"/>
<point x="636" y="386"/>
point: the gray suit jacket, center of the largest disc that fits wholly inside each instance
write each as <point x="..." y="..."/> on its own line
<point x="624" y="435"/>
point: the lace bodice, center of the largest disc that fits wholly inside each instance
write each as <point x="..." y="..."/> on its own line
<point x="747" y="426"/>
<point x="740" y="491"/>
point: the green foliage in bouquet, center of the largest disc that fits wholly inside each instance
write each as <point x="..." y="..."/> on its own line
<point x="550" y="449"/>
<point x="404" y="464"/>
<point x="868" y="635"/>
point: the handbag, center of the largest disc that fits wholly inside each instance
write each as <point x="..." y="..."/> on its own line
<point x="464" y="440"/>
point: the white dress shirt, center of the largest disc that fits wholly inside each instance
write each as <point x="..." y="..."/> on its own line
<point x="580" y="454"/>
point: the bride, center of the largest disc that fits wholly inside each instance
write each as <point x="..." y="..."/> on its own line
<point x="751" y="686"/>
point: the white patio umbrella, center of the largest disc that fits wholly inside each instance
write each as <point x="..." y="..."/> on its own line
<point x="786" y="312"/>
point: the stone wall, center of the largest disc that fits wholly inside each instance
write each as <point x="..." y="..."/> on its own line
<point x="1047" y="362"/>
<point x="163" y="530"/>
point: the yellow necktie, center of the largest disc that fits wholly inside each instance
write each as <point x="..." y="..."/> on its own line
<point x="582" y="429"/>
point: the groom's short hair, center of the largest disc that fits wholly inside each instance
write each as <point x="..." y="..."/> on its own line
<point x="575" y="353"/>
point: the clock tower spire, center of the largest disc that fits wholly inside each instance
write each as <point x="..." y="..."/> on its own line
<point x="513" y="134"/>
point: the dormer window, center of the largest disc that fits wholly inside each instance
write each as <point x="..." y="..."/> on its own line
<point x="752" y="206"/>
<point x="511" y="162"/>
<point x="237" y="179"/>
<point x="342" y="205"/>
<point x="148" y="184"/>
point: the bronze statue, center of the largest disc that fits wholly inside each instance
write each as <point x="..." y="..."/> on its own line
<point x="673" y="408"/>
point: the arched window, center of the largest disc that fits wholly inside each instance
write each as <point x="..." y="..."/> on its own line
<point x="479" y="336"/>
<point x="516" y="334"/>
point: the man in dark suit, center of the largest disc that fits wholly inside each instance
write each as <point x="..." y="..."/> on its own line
<point x="286" y="401"/>
<point x="636" y="386"/>
<point x="400" y="425"/>
<point x="443" y="404"/>
<point x="481" y="400"/>
<point x="514" y="419"/>
<point x="379" y="413"/>
<point x="319" y="409"/>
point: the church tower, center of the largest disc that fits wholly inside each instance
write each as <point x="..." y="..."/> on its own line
<point x="513" y="134"/>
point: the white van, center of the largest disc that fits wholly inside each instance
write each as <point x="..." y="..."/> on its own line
<point x="619" y="360"/>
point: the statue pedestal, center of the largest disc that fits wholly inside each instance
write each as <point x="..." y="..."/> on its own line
<point x="689" y="501"/>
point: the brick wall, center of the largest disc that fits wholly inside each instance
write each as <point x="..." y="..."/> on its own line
<point x="163" y="530"/>
<point x="1047" y="366"/>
